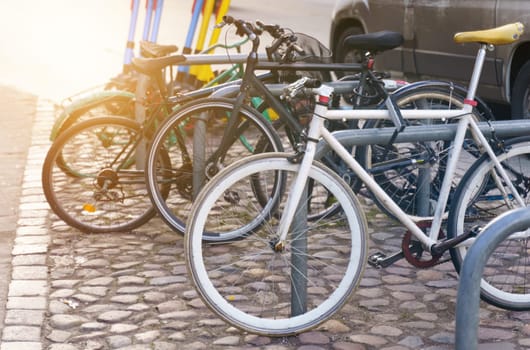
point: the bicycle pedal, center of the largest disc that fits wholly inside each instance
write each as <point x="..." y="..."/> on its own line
<point x="381" y="260"/>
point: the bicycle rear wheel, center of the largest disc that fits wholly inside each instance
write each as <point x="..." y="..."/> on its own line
<point x="404" y="170"/>
<point x="103" y="188"/>
<point x="479" y="199"/>
<point x="256" y="284"/>
<point x="192" y="137"/>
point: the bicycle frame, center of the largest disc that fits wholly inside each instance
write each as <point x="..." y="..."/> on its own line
<point x="317" y="130"/>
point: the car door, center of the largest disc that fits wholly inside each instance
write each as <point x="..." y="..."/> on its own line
<point x="379" y="15"/>
<point x="436" y="22"/>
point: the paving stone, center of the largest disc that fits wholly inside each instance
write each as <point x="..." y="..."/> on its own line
<point x="100" y="281"/>
<point x="313" y="338"/>
<point x="114" y="316"/>
<point x="368" y="340"/>
<point x="21" y="333"/>
<point x="26" y="303"/>
<point x="24" y="317"/>
<point x="66" y="321"/>
<point x="58" y="336"/>
<point x="19" y="345"/>
<point x="147" y="337"/>
<point x="386" y="330"/>
<point x="334" y="326"/>
<point x="123" y="328"/>
<point x="125" y="299"/>
<point x="27" y="288"/>
<point x="31" y="259"/>
<point x="92" y="326"/>
<point x="227" y="341"/>
<point x="118" y="341"/>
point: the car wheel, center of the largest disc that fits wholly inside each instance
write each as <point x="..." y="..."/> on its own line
<point x="521" y="93"/>
<point x="343" y="55"/>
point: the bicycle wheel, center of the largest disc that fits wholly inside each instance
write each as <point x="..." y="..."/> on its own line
<point x="256" y="284"/>
<point x="478" y="200"/>
<point x="103" y="190"/>
<point x="406" y="170"/>
<point x="192" y="138"/>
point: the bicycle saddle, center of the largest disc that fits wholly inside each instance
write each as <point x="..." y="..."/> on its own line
<point x="374" y="42"/>
<point x="153" y="65"/>
<point x="506" y="34"/>
<point x="153" y="50"/>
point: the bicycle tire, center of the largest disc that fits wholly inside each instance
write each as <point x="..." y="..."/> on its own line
<point x="176" y="137"/>
<point x="103" y="189"/>
<point x="401" y="181"/>
<point x="477" y="201"/>
<point x="247" y="282"/>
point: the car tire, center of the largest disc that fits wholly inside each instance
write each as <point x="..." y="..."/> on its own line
<point x="341" y="55"/>
<point x="521" y="93"/>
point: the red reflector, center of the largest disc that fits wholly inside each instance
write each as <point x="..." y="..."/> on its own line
<point x="470" y="102"/>
<point x="323" y="100"/>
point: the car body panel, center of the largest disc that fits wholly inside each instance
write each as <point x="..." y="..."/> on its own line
<point x="428" y="27"/>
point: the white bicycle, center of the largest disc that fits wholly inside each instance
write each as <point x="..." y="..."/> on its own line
<point x="275" y="272"/>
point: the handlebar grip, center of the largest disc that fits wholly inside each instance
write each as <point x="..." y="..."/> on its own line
<point x="228" y="19"/>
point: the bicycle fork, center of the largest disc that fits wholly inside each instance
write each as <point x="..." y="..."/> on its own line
<point x="299" y="184"/>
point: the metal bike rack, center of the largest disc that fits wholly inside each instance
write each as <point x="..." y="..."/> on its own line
<point x="422" y="133"/>
<point x="468" y="297"/>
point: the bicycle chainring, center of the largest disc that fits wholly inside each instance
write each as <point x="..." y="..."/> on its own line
<point x="414" y="252"/>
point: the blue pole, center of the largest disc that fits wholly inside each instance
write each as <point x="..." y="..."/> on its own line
<point x="148" y="16"/>
<point x="156" y="24"/>
<point x="129" y="49"/>
<point x="191" y="32"/>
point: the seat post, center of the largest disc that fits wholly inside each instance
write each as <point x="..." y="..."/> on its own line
<point x="477" y="70"/>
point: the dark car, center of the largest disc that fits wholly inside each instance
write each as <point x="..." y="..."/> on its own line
<point x="429" y="51"/>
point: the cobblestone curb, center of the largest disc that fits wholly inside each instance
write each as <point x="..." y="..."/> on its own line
<point x="28" y="290"/>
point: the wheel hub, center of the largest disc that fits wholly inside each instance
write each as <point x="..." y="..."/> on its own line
<point x="107" y="178"/>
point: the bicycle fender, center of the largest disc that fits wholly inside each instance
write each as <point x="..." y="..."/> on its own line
<point x="459" y="89"/>
<point x="77" y="104"/>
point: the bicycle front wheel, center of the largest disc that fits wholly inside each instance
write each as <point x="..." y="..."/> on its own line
<point x="481" y="196"/>
<point x="99" y="185"/>
<point x="257" y="284"/>
<point x="195" y="139"/>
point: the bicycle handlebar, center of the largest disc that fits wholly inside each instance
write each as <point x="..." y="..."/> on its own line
<point x="281" y="36"/>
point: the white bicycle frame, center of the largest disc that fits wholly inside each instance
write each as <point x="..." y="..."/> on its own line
<point x="318" y="130"/>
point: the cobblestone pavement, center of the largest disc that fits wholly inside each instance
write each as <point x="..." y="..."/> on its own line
<point x="130" y="291"/>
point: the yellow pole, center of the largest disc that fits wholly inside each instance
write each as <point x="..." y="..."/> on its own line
<point x="206" y="16"/>
<point x="205" y="72"/>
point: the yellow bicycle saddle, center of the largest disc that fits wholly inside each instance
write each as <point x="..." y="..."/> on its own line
<point x="506" y="34"/>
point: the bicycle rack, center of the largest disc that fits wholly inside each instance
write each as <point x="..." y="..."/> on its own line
<point x="468" y="297"/>
<point x="423" y="133"/>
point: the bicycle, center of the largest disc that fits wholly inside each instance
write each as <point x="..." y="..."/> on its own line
<point x="174" y="209"/>
<point x="93" y="174"/>
<point x="277" y="273"/>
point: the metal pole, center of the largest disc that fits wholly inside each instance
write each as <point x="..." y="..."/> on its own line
<point x="156" y="24"/>
<point x="148" y="18"/>
<point x="199" y="153"/>
<point x="468" y="297"/>
<point x="129" y="49"/>
<point x="299" y="258"/>
<point x="438" y="132"/>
